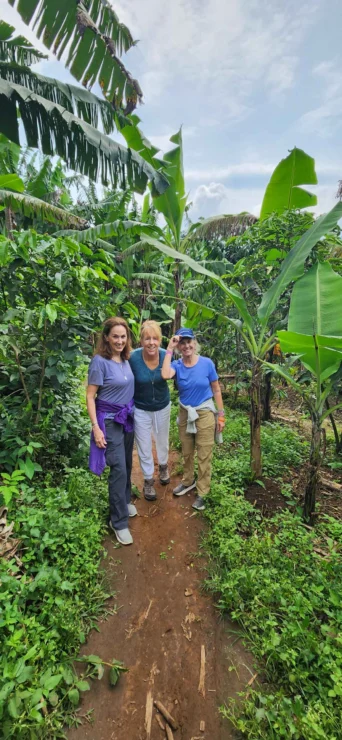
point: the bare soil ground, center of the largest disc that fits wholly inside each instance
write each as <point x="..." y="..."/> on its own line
<point x="164" y="625"/>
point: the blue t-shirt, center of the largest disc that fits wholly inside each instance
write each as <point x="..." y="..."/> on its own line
<point x="151" y="390"/>
<point x="115" y="379"/>
<point x="194" y="382"/>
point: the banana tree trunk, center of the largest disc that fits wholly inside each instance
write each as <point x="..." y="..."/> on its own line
<point x="255" y="419"/>
<point x="9" y="222"/>
<point x="314" y="467"/>
<point x="338" y="439"/>
<point x="266" y="392"/>
<point x="178" y="312"/>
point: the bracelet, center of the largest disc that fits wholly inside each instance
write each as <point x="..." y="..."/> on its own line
<point x="169" y="352"/>
<point x="95" y="424"/>
<point x="221" y="412"/>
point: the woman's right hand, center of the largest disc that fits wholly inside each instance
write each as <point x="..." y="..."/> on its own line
<point x="99" y="438"/>
<point x="173" y="342"/>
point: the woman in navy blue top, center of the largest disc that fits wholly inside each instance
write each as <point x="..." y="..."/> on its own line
<point x="197" y="383"/>
<point x="110" y="407"/>
<point x="152" y="406"/>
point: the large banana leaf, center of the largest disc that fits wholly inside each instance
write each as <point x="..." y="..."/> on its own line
<point x="234" y="295"/>
<point x="54" y="130"/>
<point x="30" y="206"/>
<point x="137" y="141"/>
<point x="77" y="100"/>
<point x="172" y="203"/>
<point x="283" y="191"/>
<point x="114" y="228"/>
<point x="12" y="182"/>
<point x="316" y="302"/>
<point x="17" y="49"/>
<point x="293" y="266"/>
<point x="321" y="355"/>
<point x="93" y="38"/>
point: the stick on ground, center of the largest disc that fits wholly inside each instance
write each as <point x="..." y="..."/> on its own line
<point x="169" y="733"/>
<point x="148" y="714"/>
<point x="201" y="685"/>
<point x="166" y="714"/>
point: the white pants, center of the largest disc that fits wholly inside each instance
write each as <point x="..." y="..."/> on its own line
<point x="146" y="425"/>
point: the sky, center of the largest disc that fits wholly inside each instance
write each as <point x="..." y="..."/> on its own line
<point x="246" y="79"/>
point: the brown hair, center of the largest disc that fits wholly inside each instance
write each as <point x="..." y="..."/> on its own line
<point x="151" y="326"/>
<point x="102" y="346"/>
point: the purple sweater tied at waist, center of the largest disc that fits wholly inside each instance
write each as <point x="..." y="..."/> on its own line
<point x="123" y="415"/>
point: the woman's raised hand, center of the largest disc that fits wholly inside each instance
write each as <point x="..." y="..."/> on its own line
<point x="99" y="438"/>
<point x="173" y="342"/>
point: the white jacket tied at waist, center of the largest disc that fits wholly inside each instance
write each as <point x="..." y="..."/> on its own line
<point x="193" y="415"/>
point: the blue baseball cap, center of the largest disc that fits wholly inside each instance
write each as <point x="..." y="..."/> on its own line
<point x="185" y="333"/>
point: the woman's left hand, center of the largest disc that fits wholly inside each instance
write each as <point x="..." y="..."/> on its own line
<point x="220" y="424"/>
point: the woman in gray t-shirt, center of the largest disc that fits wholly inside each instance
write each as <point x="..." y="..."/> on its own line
<point x="110" y="407"/>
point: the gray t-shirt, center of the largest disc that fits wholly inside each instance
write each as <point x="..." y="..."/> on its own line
<point x="115" y="379"/>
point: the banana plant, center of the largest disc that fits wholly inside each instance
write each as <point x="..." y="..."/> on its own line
<point x="62" y="119"/>
<point x="315" y="336"/>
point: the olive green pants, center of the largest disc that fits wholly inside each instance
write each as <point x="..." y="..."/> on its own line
<point x="203" y="442"/>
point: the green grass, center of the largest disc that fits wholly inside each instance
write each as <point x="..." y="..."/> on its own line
<point x="271" y="577"/>
<point x="49" y="602"/>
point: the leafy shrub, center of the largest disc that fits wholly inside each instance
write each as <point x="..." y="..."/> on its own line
<point x="272" y="578"/>
<point x="49" y="602"/>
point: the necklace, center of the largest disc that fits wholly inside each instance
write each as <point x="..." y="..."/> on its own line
<point x="152" y="376"/>
<point x="122" y="365"/>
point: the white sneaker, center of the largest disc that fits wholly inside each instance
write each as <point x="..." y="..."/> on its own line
<point x="122" y="535"/>
<point x="181" y="489"/>
<point x="132" y="510"/>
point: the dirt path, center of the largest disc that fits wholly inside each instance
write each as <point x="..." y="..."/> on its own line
<point x="163" y="624"/>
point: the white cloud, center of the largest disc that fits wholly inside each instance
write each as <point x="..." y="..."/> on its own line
<point x="216" y="198"/>
<point x="325" y="119"/>
<point x="217" y="50"/>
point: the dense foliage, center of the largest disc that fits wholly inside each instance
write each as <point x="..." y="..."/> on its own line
<point x="49" y="599"/>
<point x="282" y="582"/>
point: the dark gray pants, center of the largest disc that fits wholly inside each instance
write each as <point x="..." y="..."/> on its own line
<point x="119" y="452"/>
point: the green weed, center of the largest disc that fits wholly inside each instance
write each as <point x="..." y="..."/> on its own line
<point x="283" y="583"/>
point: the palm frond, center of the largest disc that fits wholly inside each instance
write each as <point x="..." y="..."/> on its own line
<point x="76" y="100"/>
<point x="54" y="130"/>
<point x="34" y="207"/>
<point x="225" y="226"/>
<point x="17" y="49"/>
<point x="93" y="37"/>
<point x="116" y="228"/>
<point x="155" y="277"/>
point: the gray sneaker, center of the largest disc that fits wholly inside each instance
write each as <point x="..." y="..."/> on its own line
<point x="149" y="490"/>
<point x="132" y="511"/>
<point x="164" y="475"/>
<point x="181" y="489"/>
<point x="122" y="535"/>
<point x="199" y="504"/>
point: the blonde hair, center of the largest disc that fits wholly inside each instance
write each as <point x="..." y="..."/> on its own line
<point x="151" y="326"/>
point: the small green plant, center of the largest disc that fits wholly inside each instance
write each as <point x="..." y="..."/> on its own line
<point x="10" y="485"/>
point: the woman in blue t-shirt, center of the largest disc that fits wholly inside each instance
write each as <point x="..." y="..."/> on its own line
<point x="110" y="407"/>
<point x="152" y="406"/>
<point x="197" y="383"/>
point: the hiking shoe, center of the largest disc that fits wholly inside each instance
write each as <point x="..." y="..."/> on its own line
<point x="132" y="511"/>
<point x="199" y="503"/>
<point x="164" y="475"/>
<point x="149" y="491"/>
<point x="122" y="535"/>
<point x="181" y="489"/>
